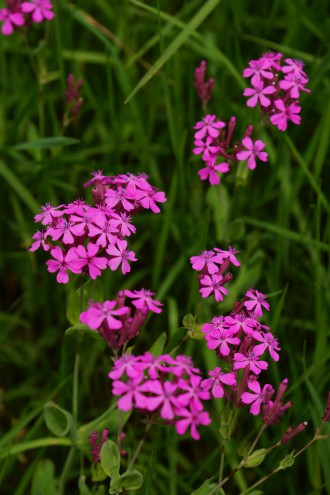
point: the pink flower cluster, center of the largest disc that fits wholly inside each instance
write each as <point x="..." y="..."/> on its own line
<point x="72" y="94"/>
<point x="213" y="143"/>
<point x="165" y="386"/>
<point x="212" y="265"/>
<point x="276" y="86"/>
<point x="203" y="88"/>
<point x="240" y="341"/>
<point x="13" y="15"/>
<point x="118" y="325"/>
<point x="213" y="138"/>
<point x="91" y="238"/>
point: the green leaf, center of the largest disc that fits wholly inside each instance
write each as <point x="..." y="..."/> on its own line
<point x="205" y="488"/>
<point x="130" y="480"/>
<point x="81" y="328"/>
<point x="58" y="421"/>
<point x="79" y="298"/>
<point x="47" y="142"/>
<point x="255" y="459"/>
<point x="189" y="322"/>
<point x="83" y="488"/>
<point x="201" y="15"/>
<point x="288" y="461"/>
<point x="110" y="459"/>
<point x="98" y="473"/>
<point x="43" y="482"/>
<point x="157" y="347"/>
<point x="19" y="188"/>
<point x="179" y="335"/>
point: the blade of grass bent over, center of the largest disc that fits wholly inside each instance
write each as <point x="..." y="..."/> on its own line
<point x="176" y="44"/>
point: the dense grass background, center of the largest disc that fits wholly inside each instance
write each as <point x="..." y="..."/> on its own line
<point x="277" y="216"/>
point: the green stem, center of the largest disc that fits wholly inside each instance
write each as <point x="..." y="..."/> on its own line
<point x="262" y="429"/>
<point x="34" y="444"/>
<point x="222" y="458"/>
<point x="65" y="471"/>
<point x="139" y="447"/>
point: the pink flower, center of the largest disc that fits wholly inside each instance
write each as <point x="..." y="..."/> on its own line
<point x="191" y="419"/>
<point x="99" y="313"/>
<point x="131" y="394"/>
<point x="213" y="284"/>
<point x="258" y="94"/>
<point x="211" y="170"/>
<point x="122" y="221"/>
<point x="62" y="263"/>
<point x="89" y="259"/>
<point x="149" y="198"/>
<point x="230" y="254"/>
<point x="144" y="300"/>
<point x="126" y="364"/>
<point x="253" y="151"/>
<point x="258" y="69"/>
<point x="205" y="260"/>
<point x="268" y="342"/>
<point x="257" y="303"/>
<point x="257" y="398"/>
<point x="119" y="198"/>
<point x="208" y="127"/>
<point x="121" y="255"/>
<point x="193" y="393"/>
<point x="294" y="84"/>
<point x="207" y="149"/>
<point x="104" y="229"/>
<point x="41" y="9"/>
<point x="281" y="118"/>
<point x="66" y="230"/>
<point x="219" y="338"/>
<point x="10" y="20"/>
<point x="164" y="397"/>
<point x="218" y="378"/>
<point x="240" y="322"/>
<point x="294" y="67"/>
<point x="40" y="240"/>
<point x="252" y="360"/>
<point x="48" y="214"/>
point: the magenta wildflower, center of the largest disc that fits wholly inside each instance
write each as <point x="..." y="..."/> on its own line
<point x="258" y="94"/>
<point x="48" y="214"/>
<point x="132" y="394"/>
<point x="191" y="419"/>
<point x="208" y="126"/>
<point x="120" y="256"/>
<point x="193" y="393"/>
<point x="219" y="338"/>
<point x="40" y="10"/>
<point x="258" y="69"/>
<point x="256" y="398"/>
<point x="294" y="67"/>
<point x="143" y="299"/>
<point x="294" y="84"/>
<point x="258" y="301"/>
<point x="99" y="313"/>
<point x="203" y="88"/>
<point x="268" y="342"/>
<point x="207" y="149"/>
<point x="217" y="381"/>
<point x="213" y="284"/>
<point x="10" y="19"/>
<point x="206" y="260"/>
<point x="211" y="170"/>
<point x="148" y="199"/>
<point x="62" y="263"/>
<point x="229" y="254"/>
<point x="164" y="397"/>
<point x="88" y="259"/>
<point x="40" y="240"/>
<point x="253" y="151"/>
<point x="252" y="360"/>
<point x="285" y="114"/>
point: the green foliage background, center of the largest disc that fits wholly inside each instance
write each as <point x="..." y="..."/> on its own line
<point x="277" y="216"/>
